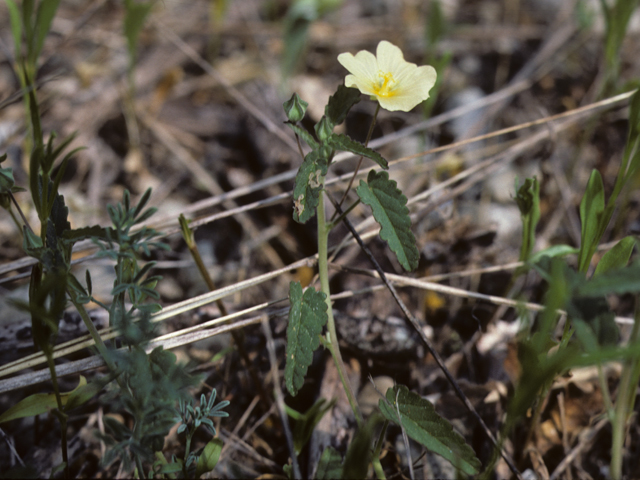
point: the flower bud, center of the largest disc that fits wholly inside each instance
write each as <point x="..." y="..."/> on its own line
<point x="295" y="108"/>
<point x="323" y="128"/>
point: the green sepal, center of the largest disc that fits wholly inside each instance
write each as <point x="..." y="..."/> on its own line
<point x="323" y="129"/>
<point x="418" y="418"/>
<point x="295" y="108"/>
<point x="307" y="316"/>
<point x="390" y="210"/>
<point x="343" y="142"/>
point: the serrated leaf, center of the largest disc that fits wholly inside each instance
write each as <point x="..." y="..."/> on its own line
<point x="309" y="182"/>
<point x="209" y="457"/>
<point x="329" y="465"/>
<point x="343" y="142"/>
<point x="340" y="103"/>
<point x="390" y="211"/>
<point x="617" y="257"/>
<point x="303" y="134"/>
<point x="421" y="422"/>
<point x="307" y="316"/>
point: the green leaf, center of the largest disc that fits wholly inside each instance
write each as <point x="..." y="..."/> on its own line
<point x="551" y="252"/>
<point x="617" y="257"/>
<point x="625" y="280"/>
<point x="16" y="26"/>
<point x="38" y="403"/>
<point x="307" y="316"/>
<point x="84" y="393"/>
<point x="209" y="457"/>
<point x="309" y="182"/>
<point x="343" y="142"/>
<point x="390" y="211"/>
<point x="528" y="200"/>
<point x="307" y="422"/>
<point x="340" y="103"/>
<point x="46" y="11"/>
<point x="303" y="134"/>
<point x="329" y="465"/>
<point x="358" y="456"/>
<point x="136" y="14"/>
<point x="421" y="422"/>
<point x="591" y="210"/>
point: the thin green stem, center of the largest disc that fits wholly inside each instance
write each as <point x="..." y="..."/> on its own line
<point x="332" y="338"/>
<point x="377" y="466"/>
<point x="625" y="401"/>
<point x="369" y="133"/>
<point x="238" y="336"/>
<point x="62" y="417"/>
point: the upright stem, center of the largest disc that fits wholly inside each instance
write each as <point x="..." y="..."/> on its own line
<point x="62" y="417"/>
<point x="624" y="401"/>
<point x="332" y="338"/>
<point x="366" y="143"/>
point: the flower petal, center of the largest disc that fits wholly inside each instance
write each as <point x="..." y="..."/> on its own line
<point x="363" y="66"/>
<point x="390" y="58"/>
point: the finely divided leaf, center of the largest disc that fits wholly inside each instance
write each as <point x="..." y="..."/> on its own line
<point x="390" y="211"/>
<point x="343" y="142"/>
<point x="307" y="316"/>
<point x="421" y="422"/>
<point x="309" y="181"/>
<point x="340" y="103"/>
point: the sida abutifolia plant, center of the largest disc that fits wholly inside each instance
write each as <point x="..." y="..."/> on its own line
<point x="396" y="85"/>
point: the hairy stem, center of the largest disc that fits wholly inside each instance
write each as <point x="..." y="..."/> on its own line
<point x="332" y="338"/>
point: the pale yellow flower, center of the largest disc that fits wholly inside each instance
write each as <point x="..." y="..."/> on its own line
<point x="394" y="82"/>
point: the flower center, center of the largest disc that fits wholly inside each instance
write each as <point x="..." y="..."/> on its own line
<point x="386" y="84"/>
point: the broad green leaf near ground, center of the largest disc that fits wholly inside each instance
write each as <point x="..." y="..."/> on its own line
<point x="421" y="422"/>
<point x="307" y="316"/>
<point x="390" y="210"/>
